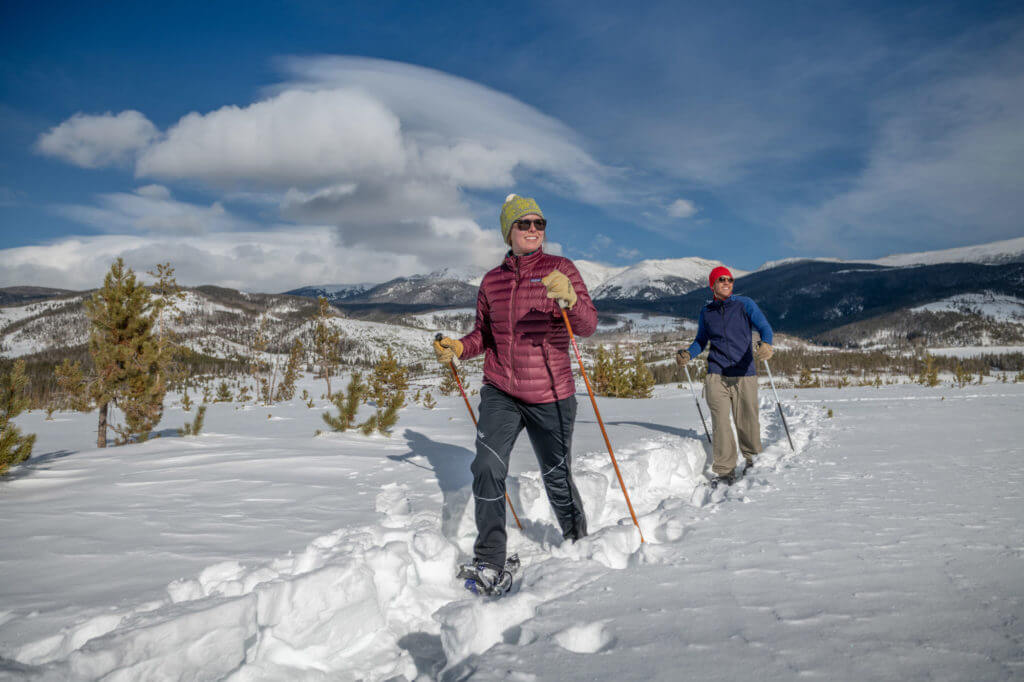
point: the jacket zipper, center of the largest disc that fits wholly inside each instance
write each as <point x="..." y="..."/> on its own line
<point x="511" y="316"/>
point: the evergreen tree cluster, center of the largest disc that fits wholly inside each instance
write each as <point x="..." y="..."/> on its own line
<point x="615" y="376"/>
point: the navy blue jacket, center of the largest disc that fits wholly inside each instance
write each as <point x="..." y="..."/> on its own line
<point x="727" y="325"/>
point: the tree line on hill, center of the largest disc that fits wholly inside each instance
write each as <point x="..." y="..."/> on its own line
<point x="133" y="357"/>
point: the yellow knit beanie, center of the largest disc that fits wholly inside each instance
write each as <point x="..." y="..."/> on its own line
<point x="514" y="208"/>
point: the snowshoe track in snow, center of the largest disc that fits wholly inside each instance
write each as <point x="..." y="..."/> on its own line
<point x="354" y="600"/>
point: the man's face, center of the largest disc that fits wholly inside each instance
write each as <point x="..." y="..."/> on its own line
<point x="723" y="287"/>
<point x="525" y="241"/>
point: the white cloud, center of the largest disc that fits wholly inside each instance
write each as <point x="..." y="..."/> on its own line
<point x="151" y="210"/>
<point x="276" y="260"/>
<point x="154" y="192"/>
<point x="294" y="138"/>
<point x="94" y="141"/>
<point x="380" y="152"/>
<point x="682" y="208"/>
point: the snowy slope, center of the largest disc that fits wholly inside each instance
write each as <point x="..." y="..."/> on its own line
<point x="994" y="306"/>
<point x="1006" y="251"/>
<point x="651" y="279"/>
<point x="993" y="253"/>
<point x="257" y="552"/>
<point x="218" y="326"/>
<point x="596" y="274"/>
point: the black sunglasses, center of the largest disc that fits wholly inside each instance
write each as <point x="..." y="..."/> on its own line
<point x="524" y="225"/>
<point x="725" y="279"/>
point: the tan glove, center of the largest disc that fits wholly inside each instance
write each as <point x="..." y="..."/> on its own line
<point x="447" y="349"/>
<point x="763" y="351"/>
<point x="682" y="357"/>
<point x="560" y="287"/>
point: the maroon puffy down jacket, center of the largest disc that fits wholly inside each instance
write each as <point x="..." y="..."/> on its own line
<point x="521" y="329"/>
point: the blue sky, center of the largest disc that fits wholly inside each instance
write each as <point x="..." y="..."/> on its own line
<point x="271" y="145"/>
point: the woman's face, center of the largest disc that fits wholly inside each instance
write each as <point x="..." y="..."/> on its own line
<point x="525" y="241"/>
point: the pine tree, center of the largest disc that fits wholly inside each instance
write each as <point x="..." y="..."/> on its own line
<point x="963" y="376"/>
<point x="325" y="342"/>
<point x="256" y="347"/>
<point x="223" y="393"/>
<point x="600" y="373"/>
<point x="616" y="377"/>
<point x="14" y="447"/>
<point x="196" y="426"/>
<point x="807" y="379"/>
<point x="429" y="402"/>
<point x="641" y="384"/>
<point x="448" y="385"/>
<point x="388" y="384"/>
<point x="286" y="391"/>
<point x="167" y="293"/>
<point x="347" y="403"/>
<point x="929" y="373"/>
<point x="129" y="369"/>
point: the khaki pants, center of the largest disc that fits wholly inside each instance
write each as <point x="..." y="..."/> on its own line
<point x="739" y="395"/>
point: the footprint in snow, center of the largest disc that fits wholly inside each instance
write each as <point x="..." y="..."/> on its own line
<point x="591" y="638"/>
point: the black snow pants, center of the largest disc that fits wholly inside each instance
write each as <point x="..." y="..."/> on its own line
<point x="549" y="426"/>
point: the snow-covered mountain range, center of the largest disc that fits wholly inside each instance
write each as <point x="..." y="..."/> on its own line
<point x="646" y="280"/>
<point x="993" y="253"/>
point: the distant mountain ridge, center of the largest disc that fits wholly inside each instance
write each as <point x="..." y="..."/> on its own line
<point x="648" y="280"/>
<point x="809" y="298"/>
<point x="22" y="295"/>
<point x="993" y="253"/>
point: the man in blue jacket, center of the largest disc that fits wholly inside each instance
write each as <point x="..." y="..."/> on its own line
<point x="726" y="323"/>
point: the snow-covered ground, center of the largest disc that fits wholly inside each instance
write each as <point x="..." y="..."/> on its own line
<point x="998" y="307"/>
<point x="890" y="545"/>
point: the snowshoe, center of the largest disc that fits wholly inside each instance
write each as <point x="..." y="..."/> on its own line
<point x="726" y="480"/>
<point x="485" y="580"/>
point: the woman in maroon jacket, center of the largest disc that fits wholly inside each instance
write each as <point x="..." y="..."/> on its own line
<point x="528" y="381"/>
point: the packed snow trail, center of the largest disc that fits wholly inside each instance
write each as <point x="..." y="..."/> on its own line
<point x="348" y="601"/>
<point x="894" y="550"/>
<point x="726" y="587"/>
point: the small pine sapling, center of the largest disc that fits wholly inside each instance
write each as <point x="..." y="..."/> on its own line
<point x="14" y="447"/>
<point x="388" y="385"/>
<point x="196" y="426"/>
<point x="347" y="402"/>
<point x="223" y="393"/>
<point x="429" y="402"/>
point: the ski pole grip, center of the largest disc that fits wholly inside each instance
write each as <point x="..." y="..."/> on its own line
<point x="562" y="303"/>
<point x="438" y="337"/>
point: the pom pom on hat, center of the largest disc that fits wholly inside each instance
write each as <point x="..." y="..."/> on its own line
<point x="514" y="208"/>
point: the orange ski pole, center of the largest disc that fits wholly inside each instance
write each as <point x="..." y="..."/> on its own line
<point x="472" y="416"/>
<point x="562" y="304"/>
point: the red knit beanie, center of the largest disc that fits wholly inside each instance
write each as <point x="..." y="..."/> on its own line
<point x="716" y="273"/>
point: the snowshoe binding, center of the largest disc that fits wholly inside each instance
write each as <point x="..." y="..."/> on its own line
<point x="485" y="580"/>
